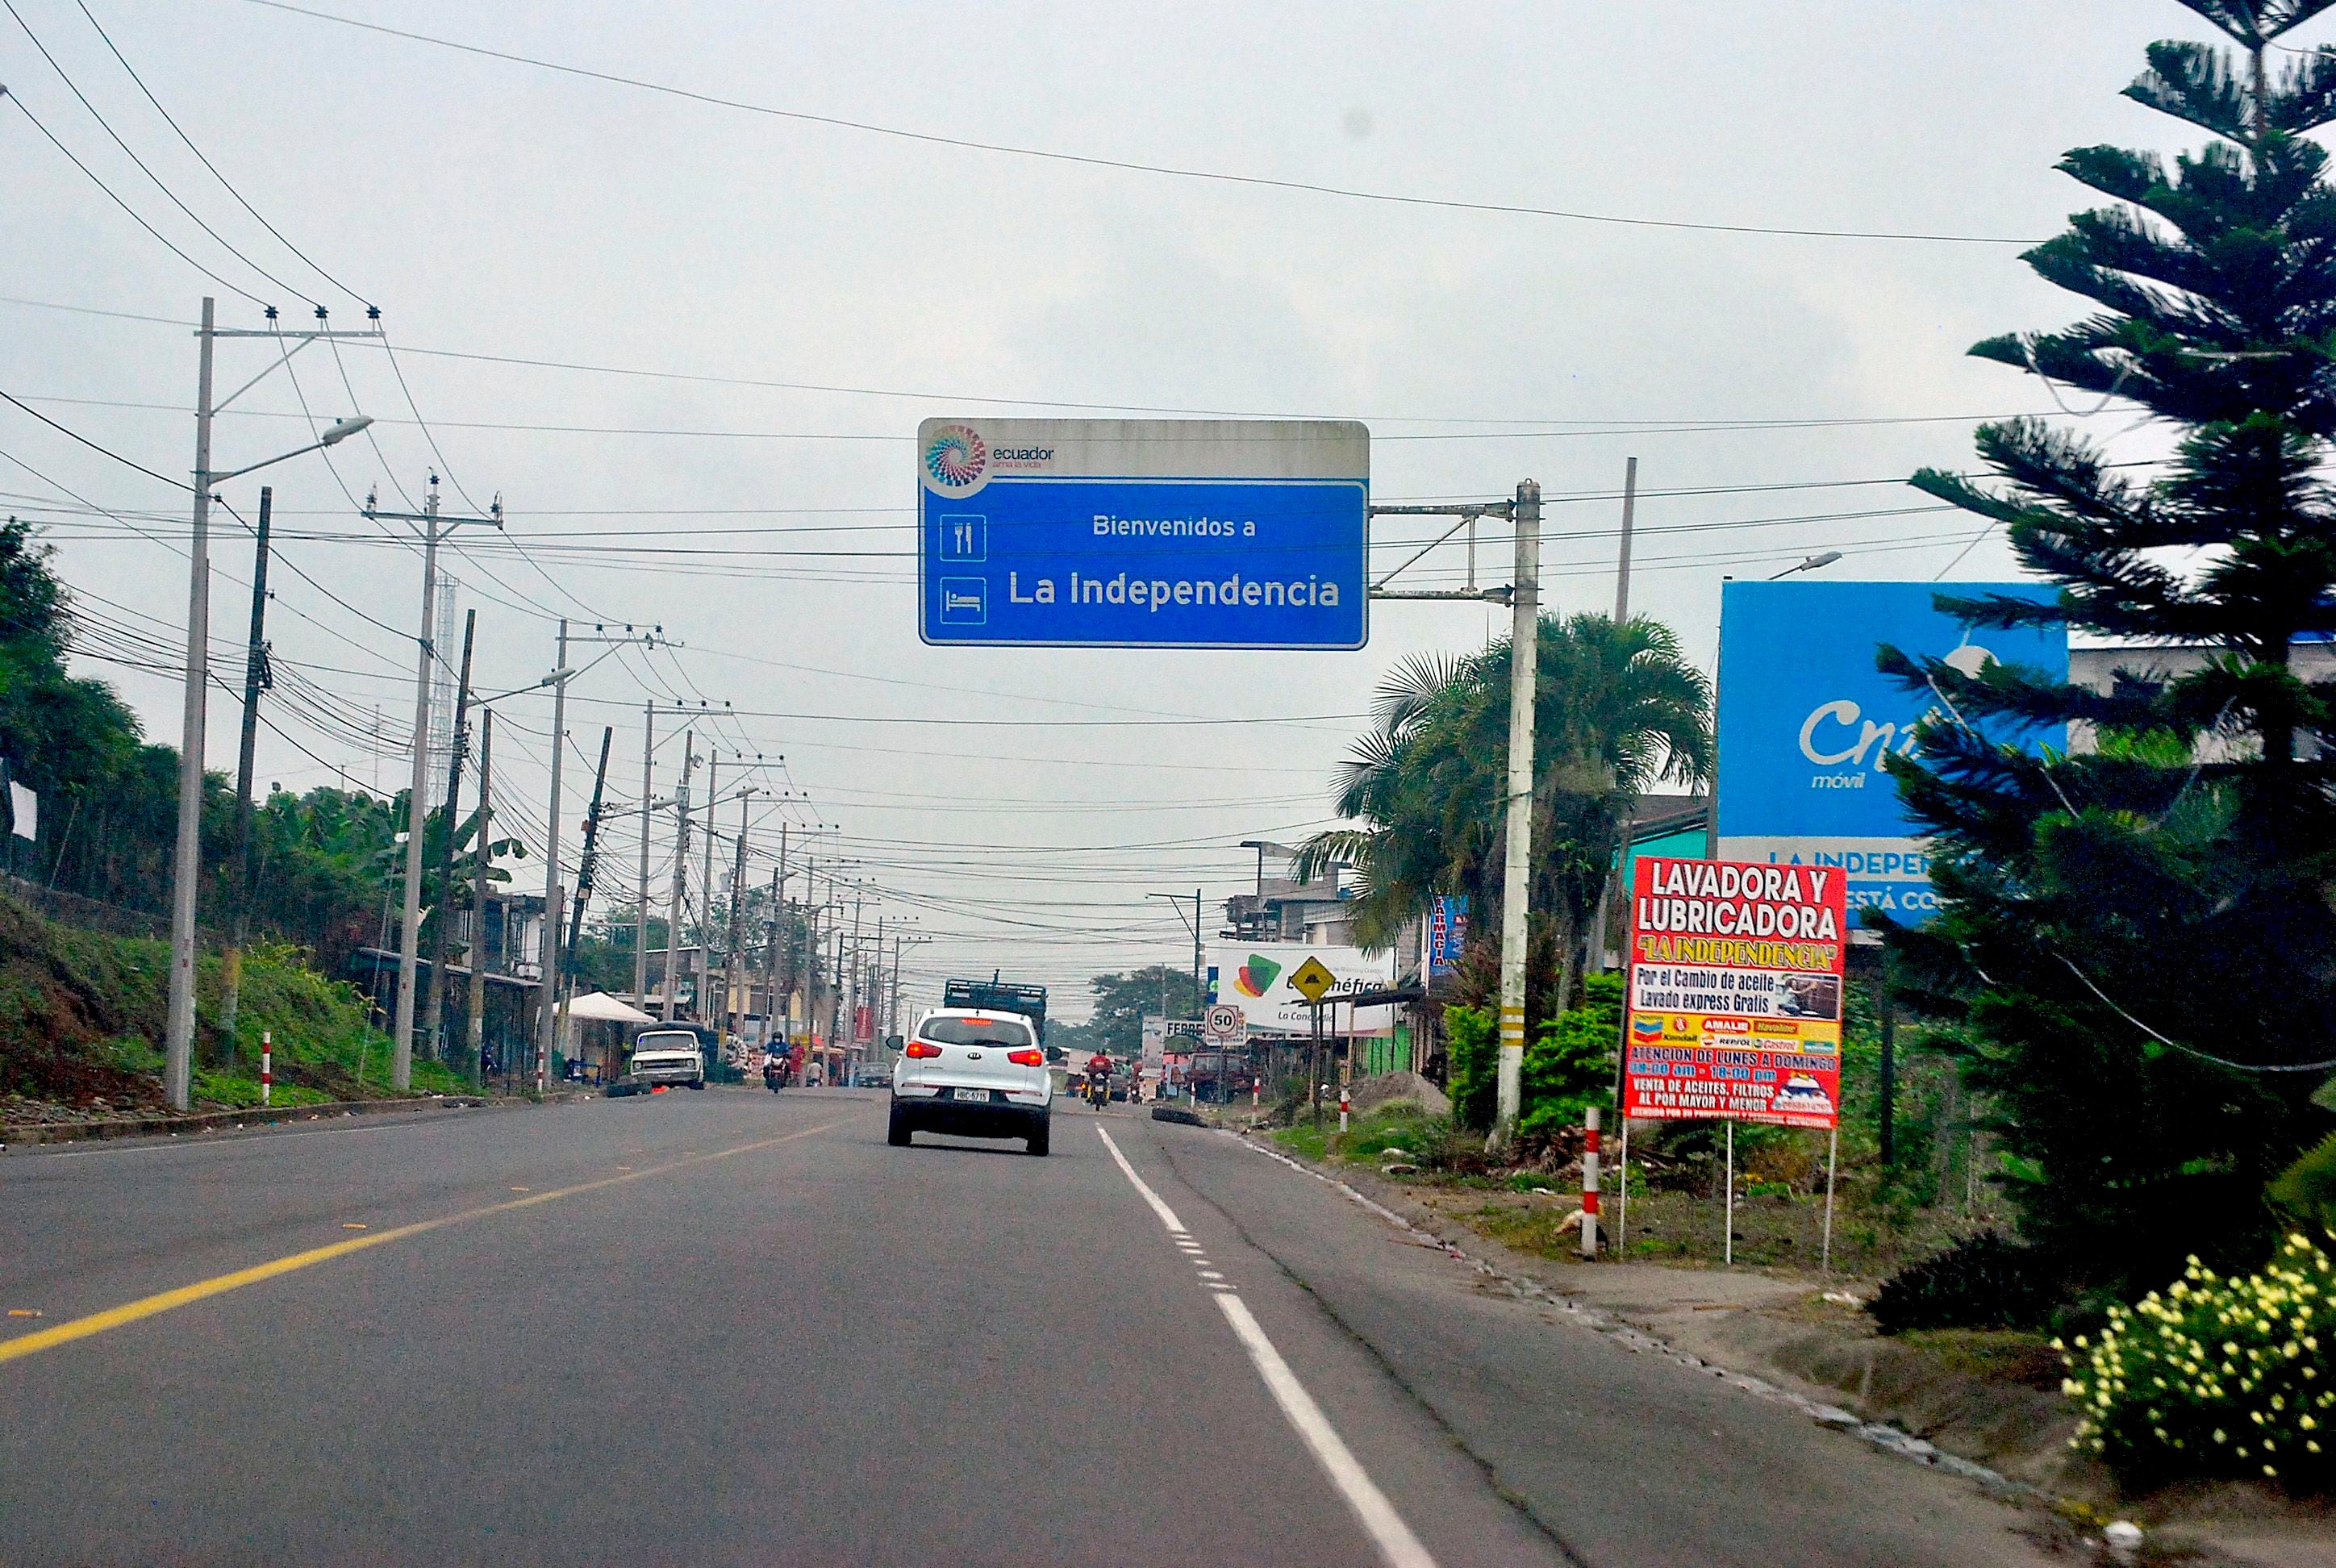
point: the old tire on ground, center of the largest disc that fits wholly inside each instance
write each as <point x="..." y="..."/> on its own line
<point x="896" y="1132"/>
<point x="698" y="1083"/>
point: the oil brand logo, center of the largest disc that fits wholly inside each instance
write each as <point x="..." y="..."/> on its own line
<point x="1255" y="977"/>
<point x="956" y="456"/>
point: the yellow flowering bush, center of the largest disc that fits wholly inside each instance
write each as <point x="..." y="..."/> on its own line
<point x="2217" y="1377"/>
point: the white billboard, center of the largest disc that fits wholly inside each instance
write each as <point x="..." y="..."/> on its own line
<point x="1255" y="977"/>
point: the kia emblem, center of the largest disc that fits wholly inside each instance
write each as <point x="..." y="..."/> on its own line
<point x="973" y="1056"/>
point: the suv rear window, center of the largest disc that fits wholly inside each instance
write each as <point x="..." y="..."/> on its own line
<point x="976" y="1032"/>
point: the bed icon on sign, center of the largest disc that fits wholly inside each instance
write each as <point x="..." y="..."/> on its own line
<point x="965" y="601"/>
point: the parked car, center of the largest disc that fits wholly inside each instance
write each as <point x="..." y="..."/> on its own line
<point x="973" y="1073"/>
<point x="876" y="1078"/>
<point x="668" y="1056"/>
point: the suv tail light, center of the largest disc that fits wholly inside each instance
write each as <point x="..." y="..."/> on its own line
<point x="921" y="1048"/>
<point x="1031" y="1059"/>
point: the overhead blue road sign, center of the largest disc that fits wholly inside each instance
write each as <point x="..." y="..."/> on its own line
<point x="1143" y="533"/>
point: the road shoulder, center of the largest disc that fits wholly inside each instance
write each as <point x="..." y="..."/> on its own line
<point x="1605" y="1439"/>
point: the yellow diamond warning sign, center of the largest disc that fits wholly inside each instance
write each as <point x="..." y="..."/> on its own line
<point x="1312" y="979"/>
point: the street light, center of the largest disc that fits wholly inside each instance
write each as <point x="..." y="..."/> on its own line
<point x="1811" y="564"/>
<point x="178" y="1039"/>
<point x="339" y="432"/>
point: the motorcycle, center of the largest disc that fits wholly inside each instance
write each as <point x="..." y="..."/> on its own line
<point x="1098" y="1090"/>
<point x="775" y="1076"/>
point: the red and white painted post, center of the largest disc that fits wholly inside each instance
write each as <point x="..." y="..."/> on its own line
<point x="1343" y="1105"/>
<point x="1590" y="1182"/>
<point x="542" y="1056"/>
<point x="266" y="1064"/>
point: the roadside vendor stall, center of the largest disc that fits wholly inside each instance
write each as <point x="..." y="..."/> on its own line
<point x="599" y="1031"/>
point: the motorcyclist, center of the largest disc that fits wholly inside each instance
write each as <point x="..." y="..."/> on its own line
<point x="774" y="1065"/>
<point x="1098" y="1077"/>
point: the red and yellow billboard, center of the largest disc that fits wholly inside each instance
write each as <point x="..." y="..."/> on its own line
<point x="1735" y="992"/>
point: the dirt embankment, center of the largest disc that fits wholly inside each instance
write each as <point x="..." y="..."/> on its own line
<point x="84" y="1014"/>
<point x="68" y="999"/>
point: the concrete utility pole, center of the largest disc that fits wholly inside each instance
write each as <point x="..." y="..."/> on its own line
<point x="704" y="993"/>
<point x="1200" y="998"/>
<point x="587" y="873"/>
<point x="680" y="875"/>
<point x="1516" y="877"/>
<point x="859" y="900"/>
<point x="737" y="915"/>
<point x="1524" y="598"/>
<point x="433" y="1010"/>
<point x="641" y="904"/>
<point x="835" y="991"/>
<point x="865" y="997"/>
<point x="1622" y="573"/>
<point x="256" y="679"/>
<point x="773" y="1008"/>
<point x="892" y="997"/>
<point x="776" y="1012"/>
<point x="475" y="1059"/>
<point x="548" y="998"/>
<point x="177" y="1051"/>
<point x="435" y="527"/>
<point x="187" y="854"/>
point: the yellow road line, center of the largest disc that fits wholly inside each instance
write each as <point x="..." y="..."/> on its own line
<point x="219" y="1284"/>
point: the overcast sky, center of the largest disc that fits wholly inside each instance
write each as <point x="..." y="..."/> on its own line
<point x="494" y="208"/>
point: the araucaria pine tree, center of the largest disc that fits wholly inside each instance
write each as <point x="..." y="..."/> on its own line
<point x="2140" y="929"/>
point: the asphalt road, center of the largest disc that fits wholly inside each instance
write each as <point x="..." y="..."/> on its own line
<point x="729" y="1327"/>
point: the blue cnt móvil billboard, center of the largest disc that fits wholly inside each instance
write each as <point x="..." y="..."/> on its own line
<point x="1805" y="720"/>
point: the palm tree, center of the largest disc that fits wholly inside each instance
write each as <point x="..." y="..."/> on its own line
<point x="1617" y="710"/>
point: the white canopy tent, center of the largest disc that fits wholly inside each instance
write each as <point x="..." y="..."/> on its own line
<point x="599" y="1026"/>
<point x="601" y="1008"/>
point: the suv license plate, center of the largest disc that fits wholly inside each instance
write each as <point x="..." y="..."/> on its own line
<point x="980" y="1095"/>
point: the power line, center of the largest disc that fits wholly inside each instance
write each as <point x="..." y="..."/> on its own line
<point x="1296" y="721"/>
<point x="168" y="193"/>
<point x="1122" y="165"/>
<point x="94" y="446"/>
<point x="1607" y="429"/>
<point x="125" y="207"/>
<point x="206" y="163"/>
<point x="93" y="310"/>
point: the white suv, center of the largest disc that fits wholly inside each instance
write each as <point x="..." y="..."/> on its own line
<point x="973" y="1073"/>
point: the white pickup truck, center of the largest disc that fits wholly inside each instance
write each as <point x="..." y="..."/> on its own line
<point x="667" y="1056"/>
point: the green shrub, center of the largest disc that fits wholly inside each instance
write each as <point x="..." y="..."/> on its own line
<point x="1398" y="1125"/>
<point x="1987" y="1282"/>
<point x="2217" y="1377"/>
<point x="1570" y="1065"/>
<point x="1473" y="1048"/>
<point x="2306" y="1190"/>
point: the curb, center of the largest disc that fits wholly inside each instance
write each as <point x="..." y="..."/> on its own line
<point x="228" y="1121"/>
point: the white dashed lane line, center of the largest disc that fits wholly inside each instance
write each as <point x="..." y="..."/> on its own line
<point x="1397" y="1546"/>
